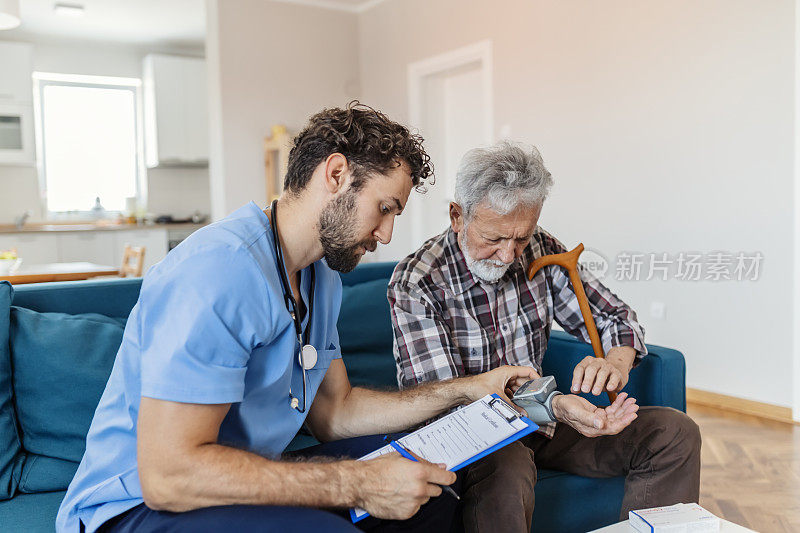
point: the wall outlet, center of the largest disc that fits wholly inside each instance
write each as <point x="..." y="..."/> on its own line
<point x="658" y="310"/>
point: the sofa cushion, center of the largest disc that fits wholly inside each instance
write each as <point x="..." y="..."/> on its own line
<point x="42" y="473"/>
<point x="365" y="334"/>
<point x="10" y="449"/>
<point x="31" y="513"/>
<point x="61" y="366"/>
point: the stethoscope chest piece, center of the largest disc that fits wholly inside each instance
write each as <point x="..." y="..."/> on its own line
<point x="308" y="357"/>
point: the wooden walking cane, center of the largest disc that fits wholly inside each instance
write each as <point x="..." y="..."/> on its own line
<point x="569" y="261"/>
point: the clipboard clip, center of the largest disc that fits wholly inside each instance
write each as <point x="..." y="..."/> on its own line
<point x="503" y="409"/>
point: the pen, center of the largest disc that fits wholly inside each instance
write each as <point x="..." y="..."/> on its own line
<point x="402" y="450"/>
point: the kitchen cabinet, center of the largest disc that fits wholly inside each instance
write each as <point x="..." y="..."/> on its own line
<point x="176" y="111"/>
<point x="16" y="104"/>
<point x="103" y="247"/>
<point x="33" y="248"/>
<point x="16" y="66"/>
<point x="90" y="246"/>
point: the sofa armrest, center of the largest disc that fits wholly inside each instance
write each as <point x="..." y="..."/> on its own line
<point x="660" y="379"/>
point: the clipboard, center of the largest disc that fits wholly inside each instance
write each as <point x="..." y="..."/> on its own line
<point x="520" y="426"/>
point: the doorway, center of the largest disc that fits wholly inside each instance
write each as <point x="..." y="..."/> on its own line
<point x="450" y="104"/>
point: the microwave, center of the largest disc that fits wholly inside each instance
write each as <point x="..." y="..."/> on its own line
<point x="16" y="134"/>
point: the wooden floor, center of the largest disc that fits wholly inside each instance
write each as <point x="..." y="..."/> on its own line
<point x="750" y="469"/>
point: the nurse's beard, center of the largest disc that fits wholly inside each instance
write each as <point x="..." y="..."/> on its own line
<point x="337" y="234"/>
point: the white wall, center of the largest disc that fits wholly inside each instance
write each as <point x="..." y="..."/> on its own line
<point x="19" y="185"/>
<point x="668" y="127"/>
<point x="270" y="63"/>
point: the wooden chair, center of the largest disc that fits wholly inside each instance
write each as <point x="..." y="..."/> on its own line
<point x="132" y="262"/>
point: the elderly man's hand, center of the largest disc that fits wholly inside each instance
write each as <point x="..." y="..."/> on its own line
<point x="595" y="375"/>
<point x="593" y="421"/>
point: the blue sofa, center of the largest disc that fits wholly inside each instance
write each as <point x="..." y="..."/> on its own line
<point x="51" y="380"/>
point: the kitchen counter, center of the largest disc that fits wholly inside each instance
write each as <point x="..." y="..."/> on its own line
<point x="81" y="227"/>
<point x="84" y="241"/>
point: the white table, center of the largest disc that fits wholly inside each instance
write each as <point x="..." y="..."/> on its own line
<point x="624" y="527"/>
<point x="58" y="272"/>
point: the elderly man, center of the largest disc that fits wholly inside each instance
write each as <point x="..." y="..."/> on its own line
<point x="462" y="305"/>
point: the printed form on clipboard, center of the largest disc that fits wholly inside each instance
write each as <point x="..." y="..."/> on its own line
<point x="462" y="437"/>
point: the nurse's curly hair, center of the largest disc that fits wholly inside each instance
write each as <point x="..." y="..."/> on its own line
<point x="366" y="137"/>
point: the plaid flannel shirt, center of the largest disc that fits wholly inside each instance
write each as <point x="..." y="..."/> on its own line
<point x="447" y="324"/>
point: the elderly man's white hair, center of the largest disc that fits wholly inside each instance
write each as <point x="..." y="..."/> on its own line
<point x="505" y="176"/>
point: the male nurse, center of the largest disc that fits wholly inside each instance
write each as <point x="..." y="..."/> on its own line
<point x="232" y="347"/>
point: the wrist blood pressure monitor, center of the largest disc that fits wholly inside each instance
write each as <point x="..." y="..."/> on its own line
<point x="536" y="397"/>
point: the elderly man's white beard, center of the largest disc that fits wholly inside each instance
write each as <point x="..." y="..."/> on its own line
<point x="488" y="270"/>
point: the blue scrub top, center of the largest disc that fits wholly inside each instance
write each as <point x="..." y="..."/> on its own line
<point x="210" y="326"/>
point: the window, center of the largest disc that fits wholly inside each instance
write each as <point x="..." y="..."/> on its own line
<point x="89" y="140"/>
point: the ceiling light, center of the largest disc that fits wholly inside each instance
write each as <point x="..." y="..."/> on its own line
<point x="69" y="10"/>
<point x="9" y="14"/>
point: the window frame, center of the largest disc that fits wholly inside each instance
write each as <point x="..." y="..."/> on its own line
<point x="41" y="81"/>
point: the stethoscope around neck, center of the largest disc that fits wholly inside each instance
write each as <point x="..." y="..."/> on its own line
<point x="307" y="356"/>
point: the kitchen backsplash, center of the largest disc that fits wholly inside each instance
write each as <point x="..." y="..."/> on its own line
<point x="175" y="191"/>
<point x="178" y="191"/>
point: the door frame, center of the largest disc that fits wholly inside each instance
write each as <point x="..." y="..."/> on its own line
<point x="479" y="52"/>
<point x="796" y="217"/>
